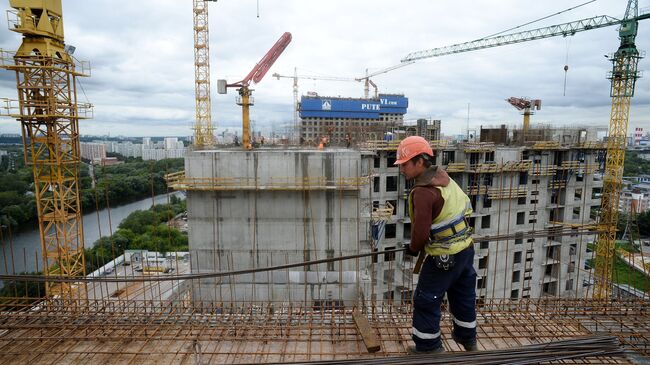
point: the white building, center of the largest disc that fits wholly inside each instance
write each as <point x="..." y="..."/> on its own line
<point x="92" y="151"/>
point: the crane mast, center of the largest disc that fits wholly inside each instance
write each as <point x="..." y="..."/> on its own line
<point x="49" y="115"/>
<point x="623" y="78"/>
<point x="203" y="128"/>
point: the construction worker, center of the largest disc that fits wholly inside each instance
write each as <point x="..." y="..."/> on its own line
<point x="438" y="208"/>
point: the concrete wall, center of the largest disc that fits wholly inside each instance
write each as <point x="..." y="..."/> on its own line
<point x="241" y="228"/>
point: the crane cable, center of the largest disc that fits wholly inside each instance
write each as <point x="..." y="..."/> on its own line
<point x="537" y="20"/>
<point x="566" y="64"/>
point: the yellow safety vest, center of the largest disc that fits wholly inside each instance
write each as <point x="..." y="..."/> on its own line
<point x="449" y="233"/>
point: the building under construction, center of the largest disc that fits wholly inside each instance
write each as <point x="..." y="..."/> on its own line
<point x="291" y="249"/>
<point x="346" y="119"/>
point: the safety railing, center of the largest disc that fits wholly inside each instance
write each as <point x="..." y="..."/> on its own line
<point x="538" y="170"/>
<point x="479" y="147"/>
<point x="8" y="61"/>
<point x="11" y="108"/>
<point x="179" y="181"/>
<point x="507" y="193"/>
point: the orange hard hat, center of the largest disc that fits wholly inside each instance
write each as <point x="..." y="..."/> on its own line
<point x="411" y="147"/>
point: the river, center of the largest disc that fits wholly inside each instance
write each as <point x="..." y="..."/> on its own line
<point x="26" y="246"/>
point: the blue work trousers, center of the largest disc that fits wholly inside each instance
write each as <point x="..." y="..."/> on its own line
<point x="459" y="283"/>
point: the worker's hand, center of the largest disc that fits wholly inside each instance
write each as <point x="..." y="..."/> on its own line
<point x="409" y="251"/>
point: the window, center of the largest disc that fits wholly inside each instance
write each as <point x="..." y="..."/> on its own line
<point x="377" y="161"/>
<point x="568" y="285"/>
<point x="571" y="267"/>
<point x="390" y="230"/>
<point x="534" y="201"/>
<point x="375" y="204"/>
<point x="532" y="212"/>
<point x="521" y="217"/>
<point x="487" y="179"/>
<point x="576" y="213"/>
<point x="534" y="192"/>
<point x="481" y="282"/>
<point x="487" y="202"/>
<point x="407" y="231"/>
<point x="391" y="157"/>
<point x="535" y="181"/>
<point x="516" y="276"/>
<point x="521" y="200"/>
<point x="577" y="196"/>
<point x="473" y="158"/>
<point x="482" y="262"/>
<point x="391" y="183"/>
<point x="389" y="256"/>
<point x="519" y="241"/>
<point x="448" y="157"/>
<point x="485" y="245"/>
<point x="485" y="222"/>
<point x="517" y="258"/>
<point x="514" y="294"/>
<point x="596" y="193"/>
<point x="375" y="184"/>
<point x="523" y="178"/>
<point x="580" y="177"/>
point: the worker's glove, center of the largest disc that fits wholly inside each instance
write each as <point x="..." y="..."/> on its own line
<point x="409" y="251"/>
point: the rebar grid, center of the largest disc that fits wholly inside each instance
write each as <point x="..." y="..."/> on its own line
<point x="174" y="333"/>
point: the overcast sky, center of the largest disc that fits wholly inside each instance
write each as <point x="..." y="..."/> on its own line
<point x="141" y="53"/>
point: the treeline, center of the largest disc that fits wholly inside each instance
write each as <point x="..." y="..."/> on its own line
<point x="635" y="165"/>
<point x="142" y="229"/>
<point x="120" y="184"/>
<point x="116" y="185"/>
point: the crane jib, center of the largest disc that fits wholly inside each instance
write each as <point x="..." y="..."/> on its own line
<point x="565" y="29"/>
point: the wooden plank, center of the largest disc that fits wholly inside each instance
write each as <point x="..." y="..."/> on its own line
<point x="367" y="334"/>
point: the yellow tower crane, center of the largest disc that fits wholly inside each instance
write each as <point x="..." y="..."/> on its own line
<point x="203" y="128"/>
<point x="49" y="115"/>
<point x="623" y="78"/>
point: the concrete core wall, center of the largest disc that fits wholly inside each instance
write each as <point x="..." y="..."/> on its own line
<point x="284" y="206"/>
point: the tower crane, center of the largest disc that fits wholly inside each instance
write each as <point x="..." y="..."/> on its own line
<point x="255" y="76"/>
<point x="295" y="78"/>
<point x="525" y="105"/>
<point x="623" y="79"/>
<point x="203" y="129"/>
<point x="49" y="115"/>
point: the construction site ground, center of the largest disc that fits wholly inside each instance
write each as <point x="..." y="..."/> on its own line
<point x="148" y="332"/>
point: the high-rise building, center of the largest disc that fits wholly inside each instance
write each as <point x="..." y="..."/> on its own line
<point x="93" y="151"/>
<point x="358" y="119"/>
<point x="170" y="143"/>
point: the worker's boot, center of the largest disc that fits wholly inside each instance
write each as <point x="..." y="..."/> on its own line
<point x="468" y="345"/>
<point x="414" y="351"/>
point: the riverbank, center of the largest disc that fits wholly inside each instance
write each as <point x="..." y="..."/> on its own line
<point x="22" y="251"/>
